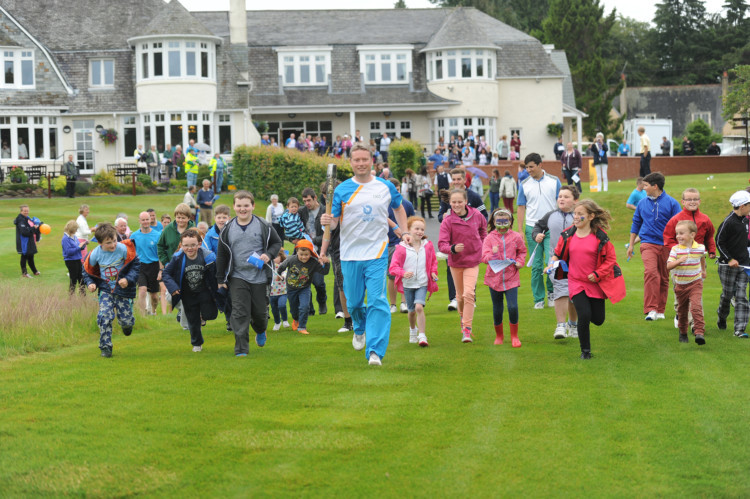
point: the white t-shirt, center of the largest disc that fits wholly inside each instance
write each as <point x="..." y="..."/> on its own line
<point x="363" y="212"/>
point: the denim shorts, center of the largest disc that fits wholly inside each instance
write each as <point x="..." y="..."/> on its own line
<point x="415" y="295"/>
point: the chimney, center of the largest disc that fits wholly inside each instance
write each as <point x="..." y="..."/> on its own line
<point x="238" y="50"/>
<point x="237" y="22"/>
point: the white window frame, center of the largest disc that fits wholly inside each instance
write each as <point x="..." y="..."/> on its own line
<point x="391" y="56"/>
<point x="182" y="46"/>
<point x="11" y="124"/>
<point x="17" y="56"/>
<point x="448" y="57"/>
<point x="394" y="127"/>
<point x="102" y="75"/>
<point x="442" y="127"/>
<point x="704" y="115"/>
<point x="293" y="57"/>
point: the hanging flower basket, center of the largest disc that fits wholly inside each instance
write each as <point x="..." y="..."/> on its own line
<point x="108" y="135"/>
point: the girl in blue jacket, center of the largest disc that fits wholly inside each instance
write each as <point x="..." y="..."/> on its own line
<point x="71" y="250"/>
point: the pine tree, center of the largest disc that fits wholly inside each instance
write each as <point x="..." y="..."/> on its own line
<point x="681" y="43"/>
<point x="580" y="28"/>
<point x="400" y="4"/>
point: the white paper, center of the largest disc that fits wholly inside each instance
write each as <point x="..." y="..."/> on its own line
<point x="531" y="258"/>
<point x="576" y="178"/>
<point x="499" y="265"/>
<point x="553" y="266"/>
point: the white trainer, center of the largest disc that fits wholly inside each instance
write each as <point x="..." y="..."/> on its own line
<point x="676" y="323"/>
<point x="344" y="329"/>
<point x="572" y="331"/>
<point x="651" y="316"/>
<point x="339" y="315"/>
<point x="393" y="309"/>
<point x="277" y="326"/>
<point x="358" y="341"/>
<point x="286" y="324"/>
<point x="413" y="335"/>
<point x="660" y="316"/>
<point x="453" y="305"/>
<point x="539" y="305"/>
<point x="403" y="308"/>
<point x="374" y="359"/>
<point x="560" y="332"/>
<point x="197" y="349"/>
<point x="422" y="339"/>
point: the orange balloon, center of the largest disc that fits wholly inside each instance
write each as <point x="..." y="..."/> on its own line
<point x="45" y="229"/>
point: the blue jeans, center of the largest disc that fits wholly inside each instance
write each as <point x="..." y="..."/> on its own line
<point x="299" y="304"/>
<point x="219" y="180"/>
<point x="278" y="308"/>
<point x="192" y="178"/>
<point x="494" y="201"/>
<point x="511" y="295"/>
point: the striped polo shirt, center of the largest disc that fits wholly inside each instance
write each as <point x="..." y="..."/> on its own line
<point x="690" y="269"/>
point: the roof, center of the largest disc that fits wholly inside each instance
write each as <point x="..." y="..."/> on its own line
<point x="380" y="96"/>
<point x="469" y="27"/>
<point x="65" y="25"/>
<point x="560" y="60"/>
<point x="524" y="60"/>
<point x="174" y="19"/>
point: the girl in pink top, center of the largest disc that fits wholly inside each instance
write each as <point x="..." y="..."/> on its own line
<point x="503" y="244"/>
<point x="590" y="258"/>
<point x="461" y="236"/>
<point x="414" y="267"/>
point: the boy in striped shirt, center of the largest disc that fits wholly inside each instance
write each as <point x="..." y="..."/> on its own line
<point x="688" y="261"/>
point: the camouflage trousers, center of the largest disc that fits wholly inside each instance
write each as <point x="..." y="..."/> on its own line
<point x="109" y="305"/>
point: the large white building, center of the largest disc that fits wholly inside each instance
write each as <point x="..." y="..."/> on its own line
<point x="159" y="74"/>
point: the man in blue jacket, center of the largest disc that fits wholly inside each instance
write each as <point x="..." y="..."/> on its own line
<point x="649" y="220"/>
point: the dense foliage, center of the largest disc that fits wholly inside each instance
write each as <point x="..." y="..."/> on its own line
<point x="403" y="154"/>
<point x="272" y="170"/>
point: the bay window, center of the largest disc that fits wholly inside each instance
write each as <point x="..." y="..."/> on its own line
<point x="460" y="64"/>
<point x="184" y="59"/>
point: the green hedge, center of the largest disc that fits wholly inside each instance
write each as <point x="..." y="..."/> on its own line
<point x="272" y="170"/>
<point x="403" y="154"/>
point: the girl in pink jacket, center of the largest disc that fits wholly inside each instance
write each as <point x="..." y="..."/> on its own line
<point x="414" y="267"/>
<point x="461" y="236"/>
<point x="503" y="247"/>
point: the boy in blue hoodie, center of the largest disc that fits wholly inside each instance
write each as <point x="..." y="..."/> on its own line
<point x="191" y="277"/>
<point x="112" y="268"/>
<point x="649" y="221"/>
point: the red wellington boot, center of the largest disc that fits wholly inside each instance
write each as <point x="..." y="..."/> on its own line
<point x="514" y="336"/>
<point x="499" y="334"/>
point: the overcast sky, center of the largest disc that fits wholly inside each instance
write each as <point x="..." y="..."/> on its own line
<point x="642" y="10"/>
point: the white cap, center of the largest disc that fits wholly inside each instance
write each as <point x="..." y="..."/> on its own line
<point x="740" y="198"/>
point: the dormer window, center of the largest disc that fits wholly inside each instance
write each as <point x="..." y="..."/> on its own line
<point x="461" y="64"/>
<point x="102" y="73"/>
<point x="385" y="64"/>
<point x="175" y="59"/>
<point x="304" y="66"/>
<point x="18" y="68"/>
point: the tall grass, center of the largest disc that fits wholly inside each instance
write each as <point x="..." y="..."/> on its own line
<point x="40" y="318"/>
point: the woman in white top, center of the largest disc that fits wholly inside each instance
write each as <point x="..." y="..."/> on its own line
<point x="273" y="214"/>
<point x="83" y="232"/>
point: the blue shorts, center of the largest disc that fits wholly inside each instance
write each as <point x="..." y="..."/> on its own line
<point x="415" y="295"/>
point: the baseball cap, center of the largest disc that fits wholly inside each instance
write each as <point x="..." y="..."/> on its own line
<point x="304" y="243"/>
<point x="739" y="198"/>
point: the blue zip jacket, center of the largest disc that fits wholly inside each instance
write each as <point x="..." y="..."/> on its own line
<point x="651" y="217"/>
<point x="129" y="271"/>
<point x="175" y="271"/>
<point x="71" y="248"/>
<point x="211" y="241"/>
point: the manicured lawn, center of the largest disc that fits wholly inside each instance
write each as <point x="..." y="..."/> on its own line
<point x="307" y="416"/>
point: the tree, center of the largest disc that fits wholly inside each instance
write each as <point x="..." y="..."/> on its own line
<point x="629" y="47"/>
<point x="580" y="28"/>
<point x="526" y="15"/>
<point x="701" y="134"/>
<point x="681" y="43"/>
<point x="737" y="101"/>
<point x="736" y="11"/>
<point x="400" y="4"/>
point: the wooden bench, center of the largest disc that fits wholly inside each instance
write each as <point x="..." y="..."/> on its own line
<point x="35" y="172"/>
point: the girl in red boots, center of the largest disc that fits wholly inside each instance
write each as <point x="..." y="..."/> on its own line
<point x="461" y="236"/>
<point x="592" y="270"/>
<point x="504" y="249"/>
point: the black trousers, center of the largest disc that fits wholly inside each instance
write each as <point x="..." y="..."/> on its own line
<point x="645" y="164"/>
<point x="198" y="307"/>
<point x="569" y="177"/>
<point x="30" y="260"/>
<point x="70" y="188"/>
<point x="589" y="310"/>
<point x="75" y="272"/>
<point x="413" y="198"/>
<point x="425" y="201"/>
